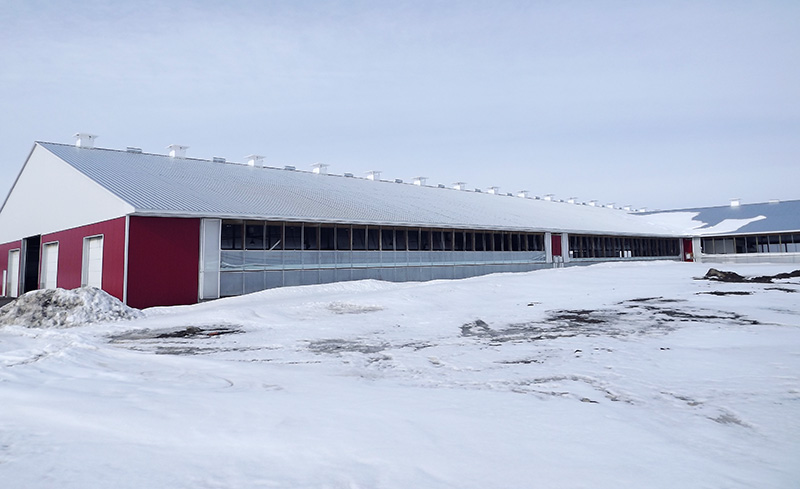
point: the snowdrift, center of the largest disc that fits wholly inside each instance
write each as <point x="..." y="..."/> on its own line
<point x="60" y="308"/>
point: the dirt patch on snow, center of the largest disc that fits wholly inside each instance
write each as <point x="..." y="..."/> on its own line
<point x="60" y="308"/>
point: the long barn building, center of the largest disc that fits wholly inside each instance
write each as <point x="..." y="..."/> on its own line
<point x="166" y="229"/>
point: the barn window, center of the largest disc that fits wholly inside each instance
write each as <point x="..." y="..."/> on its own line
<point x="359" y="238"/>
<point x="293" y="237"/>
<point x="373" y="239"/>
<point x="387" y="239"/>
<point x="458" y="241"/>
<point x="413" y="239"/>
<point x="231" y="235"/>
<point x="327" y="238"/>
<point x="254" y="236"/>
<point x="400" y="240"/>
<point x="343" y="238"/>
<point x="425" y="240"/>
<point x="437" y="241"/>
<point x="274" y="237"/>
<point x="310" y="232"/>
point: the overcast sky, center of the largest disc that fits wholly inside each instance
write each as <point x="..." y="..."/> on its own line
<point x="653" y="104"/>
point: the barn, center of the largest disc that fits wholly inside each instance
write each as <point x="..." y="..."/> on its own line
<point x="166" y="229"/>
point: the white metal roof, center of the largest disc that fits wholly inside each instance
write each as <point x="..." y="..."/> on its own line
<point x="770" y="217"/>
<point x="161" y="185"/>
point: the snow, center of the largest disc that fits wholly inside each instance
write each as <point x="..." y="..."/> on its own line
<point x="59" y="308"/>
<point x="689" y="223"/>
<point x="606" y="376"/>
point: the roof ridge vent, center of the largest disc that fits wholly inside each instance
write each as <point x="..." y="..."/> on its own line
<point x="460" y="185"/>
<point x="736" y="202"/>
<point x="374" y="175"/>
<point x="523" y="194"/>
<point x="420" y="181"/>
<point x="219" y="159"/>
<point x="348" y="175"/>
<point x="774" y="201"/>
<point x="320" y="168"/>
<point x="289" y="168"/>
<point x="441" y="185"/>
<point x="592" y="203"/>
<point x="398" y="180"/>
<point x="133" y="149"/>
<point x="493" y="190"/>
<point x="548" y="197"/>
<point x="572" y="200"/>
<point x="84" y="140"/>
<point x="255" y="160"/>
<point x="177" y="150"/>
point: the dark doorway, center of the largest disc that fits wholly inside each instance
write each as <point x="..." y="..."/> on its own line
<point x="31" y="248"/>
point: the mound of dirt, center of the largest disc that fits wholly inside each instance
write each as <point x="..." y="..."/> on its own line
<point x="59" y="308"/>
<point x="723" y="276"/>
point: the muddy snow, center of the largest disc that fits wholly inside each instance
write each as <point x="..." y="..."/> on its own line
<point x="615" y="375"/>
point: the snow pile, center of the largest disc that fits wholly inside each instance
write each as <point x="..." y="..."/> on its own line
<point x="60" y="308"/>
<point x="610" y="376"/>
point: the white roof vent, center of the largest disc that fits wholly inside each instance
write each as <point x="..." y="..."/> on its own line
<point x="84" y="140"/>
<point x="736" y="202"/>
<point x="610" y="206"/>
<point x="218" y="159"/>
<point x="177" y="150"/>
<point x="493" y="190"/>
<point x="374" y="175"/>
<point x="320" y="168"/>
<point x="255" y="160"/>
<point x="548" y="197"/>
<point x="460" y="186"/>
<point x="774" y="201"/>
<point x="572" y="200"/>
<point x="592" y="203"/>
<point x="133" y="149"/>
<point x="523" y="194"/>
<point x="420" y="181"/>
<point x="628" y="208"/>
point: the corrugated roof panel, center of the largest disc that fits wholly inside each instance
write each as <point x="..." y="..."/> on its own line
<point x="157" y="184"/>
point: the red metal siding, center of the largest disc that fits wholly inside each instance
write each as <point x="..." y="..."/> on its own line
<point x="556" y="242"/>
<point x="163" y="261"/>
<point x="4" y="249"/>
<point x="688" y="255"/>
<point x="70" y="254"/>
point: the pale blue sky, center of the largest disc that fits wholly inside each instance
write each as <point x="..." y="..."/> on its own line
<point x="654" y="104"/>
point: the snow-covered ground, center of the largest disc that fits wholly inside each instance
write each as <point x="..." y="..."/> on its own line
<point x="610" y="376"/>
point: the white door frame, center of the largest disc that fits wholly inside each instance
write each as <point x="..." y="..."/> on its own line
<point x="88" y="274"/>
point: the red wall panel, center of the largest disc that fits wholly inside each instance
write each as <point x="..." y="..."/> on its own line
<point x="70" y="254"/>
<point x="163" y="261"/>
<point x="556" y="242"/>
<point x="4" y="249"/>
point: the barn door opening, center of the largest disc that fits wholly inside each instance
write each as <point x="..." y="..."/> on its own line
<point x="30" y="263"/>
